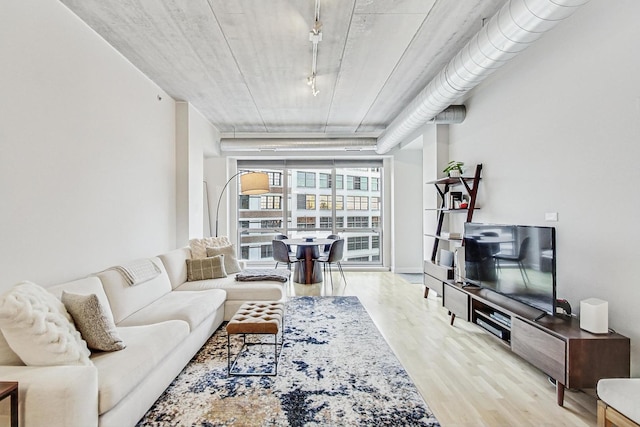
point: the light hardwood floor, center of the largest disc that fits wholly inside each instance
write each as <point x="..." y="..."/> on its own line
<point x="467" y="377"/>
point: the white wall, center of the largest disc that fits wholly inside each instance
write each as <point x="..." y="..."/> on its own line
<point x="215" y="174"/>
<point x="87" y="154"/>
<point x="558" y="130"/>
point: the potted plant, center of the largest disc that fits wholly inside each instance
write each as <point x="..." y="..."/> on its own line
<point x="454" y="169"/>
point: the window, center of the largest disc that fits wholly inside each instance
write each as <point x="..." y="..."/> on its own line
<point x="357" y="222"/>
<point x="243" y="202"/>
<point x="325" y="202"/>
<point x="306" y="179"/>
<point x="314" y="196"/>
<point x="266" y="251"/>
<point x="270" y="202"/>
<point x="271" y="223"/>
<point x="306" y="201"/>
<point x="357" y="203"/>
<point x="325" y="222"/>
<point x="275" y="179"/>
<point x="357" y="243"/>
<point x="375" y="203"/>
<point x="357" y="182"/>
<point x="306" y="222"/>
<point x="325" y="180"/>
<point x="375" y="184"/>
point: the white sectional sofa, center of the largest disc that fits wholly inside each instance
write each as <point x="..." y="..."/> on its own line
<point x="163" y="322"/>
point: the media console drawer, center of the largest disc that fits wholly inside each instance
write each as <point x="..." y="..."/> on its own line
<point x="433" y="284"/>
<point x="543" y="350"/>
<point x="456" y="301"/>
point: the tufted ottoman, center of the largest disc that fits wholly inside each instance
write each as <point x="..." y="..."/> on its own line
<point x="259" y="318"/>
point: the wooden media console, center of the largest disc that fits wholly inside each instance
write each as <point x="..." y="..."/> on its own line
<point x="556" y="345"/>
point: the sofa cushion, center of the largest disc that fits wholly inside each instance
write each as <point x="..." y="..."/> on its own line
<point x="230" y="260"/>
<point x="38" y="328"/>
<point x="241" y="291"/>
<point x="126" y="300"/>
<point x="87" y="286"/>
<point x="207" y="268"/>
<point x="192" y="307"/>
<point x="622" y="394"/>
<point x="97" y="329"/>
<point x="121" y="371"/>
<point x="174" y="263"/>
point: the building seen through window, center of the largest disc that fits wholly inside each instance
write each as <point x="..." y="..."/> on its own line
<point x="315" y="201"/>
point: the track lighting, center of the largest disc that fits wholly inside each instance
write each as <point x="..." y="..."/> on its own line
<point x="315" y="37"/>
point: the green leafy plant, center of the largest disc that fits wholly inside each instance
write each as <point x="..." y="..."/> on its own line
<point x="453" y="165"/>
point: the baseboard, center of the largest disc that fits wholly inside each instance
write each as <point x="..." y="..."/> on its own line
<point x="407" y="270"/>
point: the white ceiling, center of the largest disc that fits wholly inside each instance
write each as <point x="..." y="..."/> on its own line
<point x="244" y="63"/>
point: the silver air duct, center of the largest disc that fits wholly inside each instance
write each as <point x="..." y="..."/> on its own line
<point x="297" y="144"/>
<point x="518" y="24"/>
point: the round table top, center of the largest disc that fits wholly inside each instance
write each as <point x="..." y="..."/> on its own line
<point x="305" y="242"/>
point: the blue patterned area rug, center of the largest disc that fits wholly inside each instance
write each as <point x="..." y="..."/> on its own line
<point x="336" y="369"/>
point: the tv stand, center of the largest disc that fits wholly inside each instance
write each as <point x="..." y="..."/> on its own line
<point x="556" y="345"/>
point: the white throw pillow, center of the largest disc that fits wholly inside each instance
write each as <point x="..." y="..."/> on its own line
<point x="8" y="357"/>
<point x="231" y="264"/>
<point x="199" y="246"/>
<point x="38" y="328"/>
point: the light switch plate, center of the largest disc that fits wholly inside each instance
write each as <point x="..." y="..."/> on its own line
<point x="551" y="216"/>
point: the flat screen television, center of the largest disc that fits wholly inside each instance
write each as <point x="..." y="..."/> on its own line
<point x="516" y="261"/>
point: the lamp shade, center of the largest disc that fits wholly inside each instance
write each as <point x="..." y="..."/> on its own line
<point x="254" y="183"/>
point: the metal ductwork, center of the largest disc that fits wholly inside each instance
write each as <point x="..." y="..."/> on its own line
<point x="451" y="115"/>
<point x="297" y="144"/>
<point x="517" y="25"/>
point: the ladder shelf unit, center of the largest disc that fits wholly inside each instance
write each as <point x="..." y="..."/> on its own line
<point x="435" y="274"/>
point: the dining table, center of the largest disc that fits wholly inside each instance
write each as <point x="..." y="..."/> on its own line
<point x="304" y="270"/>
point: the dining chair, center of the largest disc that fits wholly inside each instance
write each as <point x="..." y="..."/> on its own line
<point x="284" y="237"/>
<point x="282" y="254"/>
<point x="325" y="250"/>
<point x="334" y="256"/>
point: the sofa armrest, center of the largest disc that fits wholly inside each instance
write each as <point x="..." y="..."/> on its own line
<point x="55" y="395"/>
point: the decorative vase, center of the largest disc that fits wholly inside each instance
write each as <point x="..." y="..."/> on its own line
<point x="454" y="173"/>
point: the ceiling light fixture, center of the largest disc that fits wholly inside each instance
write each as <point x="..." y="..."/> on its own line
<point x="315" y="37"/>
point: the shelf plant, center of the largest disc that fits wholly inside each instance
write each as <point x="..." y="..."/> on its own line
<point x="454" y="168"/>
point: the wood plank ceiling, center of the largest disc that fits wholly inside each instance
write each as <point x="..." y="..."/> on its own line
<point x="244" y="63"/>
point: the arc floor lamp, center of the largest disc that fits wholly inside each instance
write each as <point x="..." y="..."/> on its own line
<point x="251" y="183"/>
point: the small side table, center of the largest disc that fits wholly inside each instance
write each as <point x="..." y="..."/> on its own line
<point x="10" y="389"/>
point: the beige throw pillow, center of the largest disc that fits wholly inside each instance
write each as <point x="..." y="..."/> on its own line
<point x="94" y="324"/>
<point x="230" y="261"/>
<point x="207" y="268"/>
<point x="38" y="328"/>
